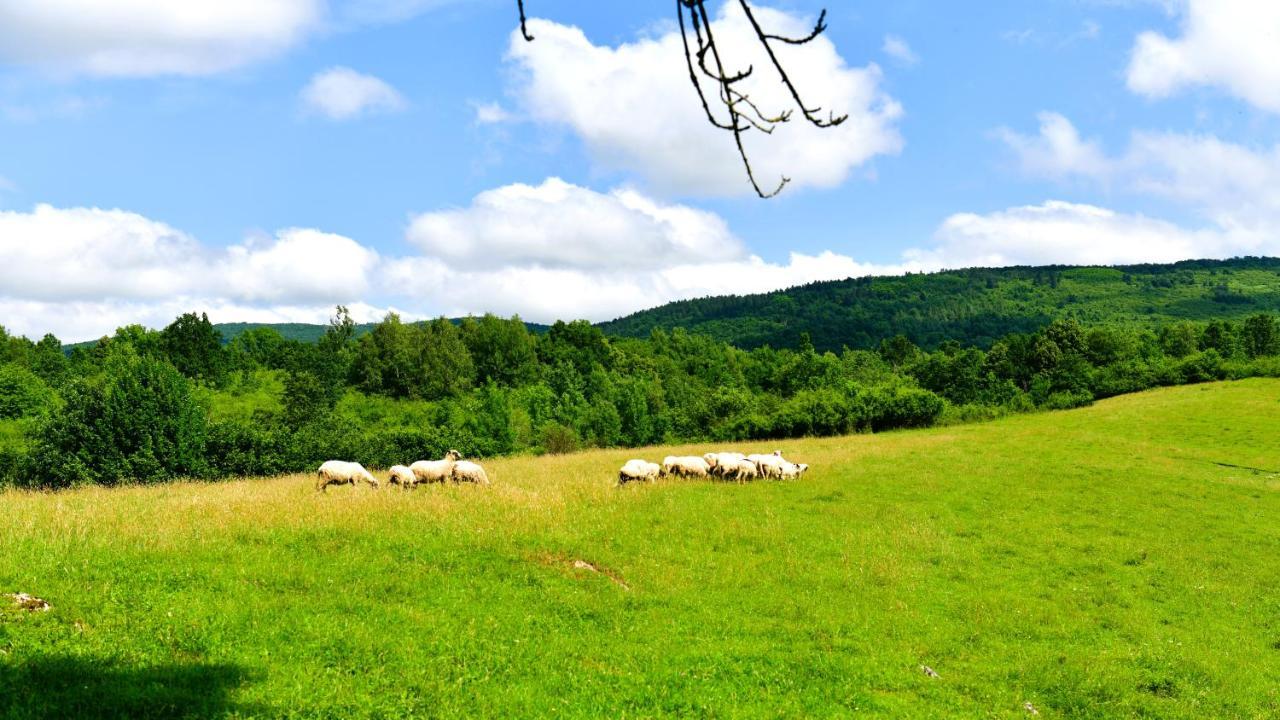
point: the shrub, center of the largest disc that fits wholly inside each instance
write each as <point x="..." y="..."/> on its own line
<point x="901" y="407"/>
<point x="139" y="424"/>
<point x="559" y="439"/>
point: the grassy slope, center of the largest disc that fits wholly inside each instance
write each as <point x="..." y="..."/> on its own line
<point x="1096" y="563"/>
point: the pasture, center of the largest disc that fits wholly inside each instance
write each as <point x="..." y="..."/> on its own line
<point x="1120" y="560"/>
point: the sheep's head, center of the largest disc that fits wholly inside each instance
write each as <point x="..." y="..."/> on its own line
<point x="453" y="455"/>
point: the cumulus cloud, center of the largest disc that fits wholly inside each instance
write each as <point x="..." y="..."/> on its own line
<point x="546" y="252"/>
<point x="341" y="93"/>
<point x="898" y="49"/>
<point x="635" y="110"/>
<point x="558" y="250"/>
<point x="80" y="272"/>
<point x="559" y="225"/>
<point x="1234" y="189"/>
<point x="1059" y="232"/>
<point x="1058" y="151"/>
<point x="1230" y="44"/>
<point x="140" y="38"/>
<point x="1231" y="185"/>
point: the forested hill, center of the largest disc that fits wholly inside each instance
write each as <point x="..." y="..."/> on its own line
<point x="973" y="307"/>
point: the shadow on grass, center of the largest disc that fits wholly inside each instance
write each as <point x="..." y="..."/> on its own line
<point x="89" y="688"/>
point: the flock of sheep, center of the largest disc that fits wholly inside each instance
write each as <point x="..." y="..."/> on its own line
<point x="724" y="465"/>
<point x="452" y="467"/>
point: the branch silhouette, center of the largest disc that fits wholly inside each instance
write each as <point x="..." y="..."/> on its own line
<point x="709" y="71"/>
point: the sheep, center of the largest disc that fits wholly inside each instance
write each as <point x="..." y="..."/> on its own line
<point x="464" y="471"/>
<point x="742" y="471"/>
<point x="435" y="471"/>
<point x="402" y="476"/>
<point x="791" y="471"/>
<point x="337" y="472"/>
<point x="769" y="465"/>
<point x="686" y="466"/>
<point x="636" y="470"/>
<point x="722" y="464"/>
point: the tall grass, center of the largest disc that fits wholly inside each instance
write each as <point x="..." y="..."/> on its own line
<point x="1114" y="561"/>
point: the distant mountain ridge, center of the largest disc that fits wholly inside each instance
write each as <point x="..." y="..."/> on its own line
<point x="973" y="307"/>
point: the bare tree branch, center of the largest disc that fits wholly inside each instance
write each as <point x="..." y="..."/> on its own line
<point x="706" y="64"/>
<point x="524" y="22"/>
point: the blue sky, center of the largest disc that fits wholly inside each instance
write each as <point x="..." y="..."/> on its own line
<point x="267" y="159"/>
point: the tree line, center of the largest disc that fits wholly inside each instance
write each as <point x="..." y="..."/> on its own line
<point x="151" y="406"/>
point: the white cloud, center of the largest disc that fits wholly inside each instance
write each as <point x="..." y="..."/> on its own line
<point x="1065" y="233"/>
<point x="341" y="93"/>
<point x="1058" y="151"/>
<point x="139" y="38"/>
<point x="1233" y="44"/>
<point x="546" y="252"/>
<point x="898" y="49"/>
<point x="634" y="107"/>
<point x="559" y="225"/>
<point x="491" y="113"/>
<point x="558" y="250"/>
<point x="1231" y="185"/>
<point x="81" y="272"/>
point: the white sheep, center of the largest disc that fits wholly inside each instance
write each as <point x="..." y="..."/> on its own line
<point x="742" y="471"/>
<point x="769" y="465"/>
<point x="464" y="471"/>
<point x="402" y="476"/>
<point x="723" y="463"/>
<point x="638" y="470"/>
<point x="337" y="472"/>
<point x="791" y="471"/>
<point x="435" y="471"/>
<point x="686" y="466"/>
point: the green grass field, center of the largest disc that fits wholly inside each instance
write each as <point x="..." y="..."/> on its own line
<point x="1120" y="561"/>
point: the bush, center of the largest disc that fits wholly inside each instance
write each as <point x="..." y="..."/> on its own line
<point x="139" y="424"/>
<point x="900" y="407"/>
<point x="241" y="449"/>
<point x="1067" y="401"/>
<point x="559" y="439"/>
<point x="1203" y="367"/>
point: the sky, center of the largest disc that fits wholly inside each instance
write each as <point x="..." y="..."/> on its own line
<point x="266" y="160"/>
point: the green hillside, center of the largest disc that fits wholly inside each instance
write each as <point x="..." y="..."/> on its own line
<point x="973" y="307"/>
<point x="1113" y="562"/>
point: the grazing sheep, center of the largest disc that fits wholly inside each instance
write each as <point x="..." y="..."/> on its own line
<point x="637" y="470"/>
<point x="722" y="464"/>
<point x="337" y="472"/>
<point x="742" y="471"/>
<point x="464" y="471"/>
<point x="770" y="466"/>
<point x="686" y="466"/>
<point x="402" y="476"/>
<point x="435" y="471"/>
<point x="791" y="471"/>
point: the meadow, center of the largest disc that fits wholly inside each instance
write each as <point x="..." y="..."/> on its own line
<point x="1119" y="560"/>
